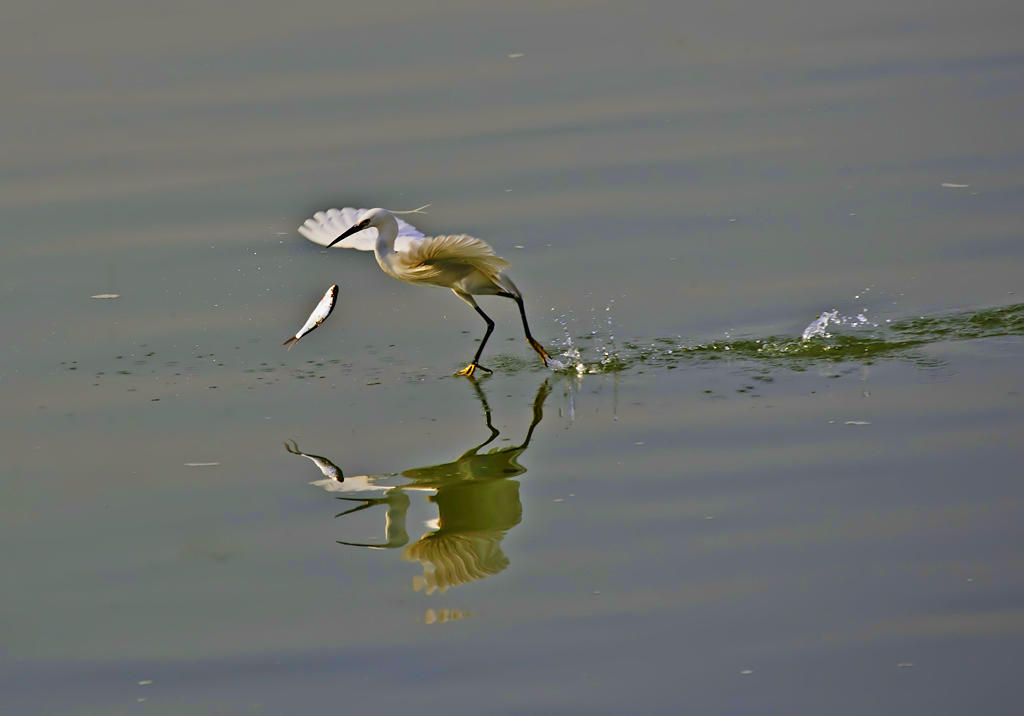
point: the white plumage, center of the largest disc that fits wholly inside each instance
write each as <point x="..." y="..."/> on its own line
<point x="465" y="264"/>
<point x="325" y="226"/>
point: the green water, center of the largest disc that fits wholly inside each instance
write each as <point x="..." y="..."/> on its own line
<point x="775" y="249"/>
<point x="597" y="353"/>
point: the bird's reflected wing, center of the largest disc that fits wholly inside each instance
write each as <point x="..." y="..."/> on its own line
<point x="325" y="226"/>
<point x="436" y="256"/>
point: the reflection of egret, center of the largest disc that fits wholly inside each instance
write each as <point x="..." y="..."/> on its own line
<point x="466" y="265"/>
<point x="476" y="505"/>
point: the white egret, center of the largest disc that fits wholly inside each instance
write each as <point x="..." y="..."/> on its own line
<point x="465" y="264"/>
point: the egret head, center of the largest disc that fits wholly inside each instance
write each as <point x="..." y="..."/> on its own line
<point x="374" y="218"/>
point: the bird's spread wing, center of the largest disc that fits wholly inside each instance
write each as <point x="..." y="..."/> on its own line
<point x="326" y="226"/>
<point x="438" y="256"/>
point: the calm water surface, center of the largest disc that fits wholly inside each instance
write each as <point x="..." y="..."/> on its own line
<point x="702" y="513"/>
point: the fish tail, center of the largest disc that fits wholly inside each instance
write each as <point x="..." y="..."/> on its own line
<point x="290" y="342"/>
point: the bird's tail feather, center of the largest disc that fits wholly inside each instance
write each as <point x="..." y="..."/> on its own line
<point x="507" y="284"/>
<point x="290" y="342"/>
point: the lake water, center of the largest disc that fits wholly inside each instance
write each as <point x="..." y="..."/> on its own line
<point x="702" y="513"/>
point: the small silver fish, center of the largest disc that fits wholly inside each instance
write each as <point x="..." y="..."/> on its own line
<point x="318" y="316"/>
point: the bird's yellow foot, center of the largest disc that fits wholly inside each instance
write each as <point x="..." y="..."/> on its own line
<point x="470" y="369"/>
<point x="544" y="356"/>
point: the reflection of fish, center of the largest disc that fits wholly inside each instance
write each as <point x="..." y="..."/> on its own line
<point x="331" y="471"/>
<point x="318" y="316"/>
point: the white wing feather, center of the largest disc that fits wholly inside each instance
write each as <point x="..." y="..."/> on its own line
<point x="326" y="226"/>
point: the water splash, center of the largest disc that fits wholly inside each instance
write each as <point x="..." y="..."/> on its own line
<point x="818" y="328"/>
<point x="599" y="340"/>
<point x="831" y="337"/>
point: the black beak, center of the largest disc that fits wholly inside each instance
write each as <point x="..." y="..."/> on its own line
<point x="348" y="232"/>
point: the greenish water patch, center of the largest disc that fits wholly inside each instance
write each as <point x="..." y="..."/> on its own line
<point x="829" y="338"/>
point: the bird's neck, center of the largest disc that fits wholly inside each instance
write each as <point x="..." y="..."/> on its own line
<point x="387" y="232"/>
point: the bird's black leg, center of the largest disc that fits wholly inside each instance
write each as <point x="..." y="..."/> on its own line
<point x="472" y="367"/>
<point x="526" y="329"/>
